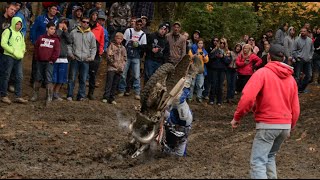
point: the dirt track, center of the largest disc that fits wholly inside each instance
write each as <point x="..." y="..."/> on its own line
<point x="84" y="140"/>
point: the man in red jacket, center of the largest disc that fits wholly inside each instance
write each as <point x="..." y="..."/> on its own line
<point x="273" y="94"/>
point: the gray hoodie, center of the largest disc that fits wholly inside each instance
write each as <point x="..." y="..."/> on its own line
<point x="83" y="46"/>
<point x="279" y="37"/>
<point x="288" y="43"/>
<point x="303" y="49"/>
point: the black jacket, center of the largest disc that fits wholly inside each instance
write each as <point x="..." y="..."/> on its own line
<point x="155" y="40"/>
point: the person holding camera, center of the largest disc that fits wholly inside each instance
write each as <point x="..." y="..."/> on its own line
<point x="219" y="59"/>
<point x="157" y="52"/>
<point x="198" y="50"/>
<point x="246" y="63"/>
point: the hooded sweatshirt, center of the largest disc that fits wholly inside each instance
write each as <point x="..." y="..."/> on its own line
<point x="15" y="46"/>
<point x="288" y="43"/>
<point x="65" y="40"/>
<point x="47" y="48"/>
<point x="279" y="37"/>
<point x="273" y="93"/>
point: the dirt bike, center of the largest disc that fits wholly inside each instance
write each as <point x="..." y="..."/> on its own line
<point x="157" y="95"/>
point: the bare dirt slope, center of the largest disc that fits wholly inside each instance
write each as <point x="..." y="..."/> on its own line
<point x="84" y="140"/>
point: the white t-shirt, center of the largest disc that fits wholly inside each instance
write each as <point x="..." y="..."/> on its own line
<point x="135" y="36"/>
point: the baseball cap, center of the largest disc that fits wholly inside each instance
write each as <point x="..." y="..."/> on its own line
<point x="277" y="51"/>
<point x="101" y="16"/>
<point x="163" y="25"/>
<point x="178" y="23"/>
<point x="196" y="31"/>
<point x="144" y="17"/>
<point x="139" y="20"/>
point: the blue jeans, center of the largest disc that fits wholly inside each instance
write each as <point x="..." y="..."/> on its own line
<point x="197" y="83"/>
<point x="44" y="72"/>
<point x="305" y="67"/>
<point x="266" y="144"/>
<point x="83" y="68"/>
<point x="150" y="67"/>
<point x="135" y="65"/>
<point x="7" y="64"/>
<point x="231" y="75"/>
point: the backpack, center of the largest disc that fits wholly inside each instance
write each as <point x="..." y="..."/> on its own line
<point x="133" y="52"/>
<point x="10" y="35"/>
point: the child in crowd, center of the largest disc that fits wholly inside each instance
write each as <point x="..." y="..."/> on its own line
<point x="47" y="51"/>
<point x="60" y="67"/>
<point x="116" y="57"/>
<point x="198" y="50"/>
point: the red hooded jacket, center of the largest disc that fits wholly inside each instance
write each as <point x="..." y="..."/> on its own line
<point x="98" y="32"/>
<point x="247" y="69"/>
<point x="47" y="48"/>
<point x="273" y="93"/>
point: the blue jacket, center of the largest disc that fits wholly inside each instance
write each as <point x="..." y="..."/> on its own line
<point x="24" y="22"/>
<point x="39" y="26"/>
<point x="194" y="49"/>
<point x="106" y="39"/>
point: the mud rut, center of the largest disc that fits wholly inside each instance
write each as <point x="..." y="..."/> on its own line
<point x="85" y="140"/>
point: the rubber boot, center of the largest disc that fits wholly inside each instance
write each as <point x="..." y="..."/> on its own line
<point x="315" y="76"/>
<point x="90" y="95"/>
<point x="35" y="93"/>
<point x="49" y="93"/>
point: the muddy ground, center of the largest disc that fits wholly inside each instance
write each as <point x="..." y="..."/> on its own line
<point x="84" y="140"/>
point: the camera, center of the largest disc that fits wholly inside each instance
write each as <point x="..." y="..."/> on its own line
<point x="201" y="53"/>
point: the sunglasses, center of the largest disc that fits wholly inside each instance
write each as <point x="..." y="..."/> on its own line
<point x="222" y="43"/>
<point x="87" y="22"/>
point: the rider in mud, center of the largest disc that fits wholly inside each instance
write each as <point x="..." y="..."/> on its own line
<point x="178" y="122"/>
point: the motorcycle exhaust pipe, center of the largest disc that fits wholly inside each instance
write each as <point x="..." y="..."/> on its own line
<point x="147" y="139"/>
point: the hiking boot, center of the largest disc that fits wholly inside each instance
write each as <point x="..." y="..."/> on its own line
<point x="206" y="98"/>
<point x="69" y="98"/>
<point x="104" y="100"/>
<point x="20" y="100"/>
<point x="11" y="88"/>
<point x="6" y="100"/>
<point x="137" y="97"/>
<point x="34" y="97"/>
<point x="121" y="94"/>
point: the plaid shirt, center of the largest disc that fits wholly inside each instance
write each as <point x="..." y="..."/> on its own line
<point x="143" y="9"/>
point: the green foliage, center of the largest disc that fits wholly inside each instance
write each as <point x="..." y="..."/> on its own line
<point x="234" y="19"/>
<point x="231" y="21"/>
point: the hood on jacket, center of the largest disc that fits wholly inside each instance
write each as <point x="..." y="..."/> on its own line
<point x="281" y="69"/>
<point x="289" y="29"/>
<point x="14" y="21"/>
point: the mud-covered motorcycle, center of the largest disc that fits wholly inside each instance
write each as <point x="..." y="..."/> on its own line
<point x="157" y="95"/>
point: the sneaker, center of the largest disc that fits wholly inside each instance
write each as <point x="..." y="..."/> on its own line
<point x="113" y="102"/>
<point x="219" y="104"/>
<point x="6" y="100"/>
<point x="121" y="94"/>
<point x="80" y="99"/>
<point x="104" y="100"/>
<point x="211" y="103"/>
<point x="58" y="98"/>
<point x="206" y="98"/>
<point x="127" y="94"/>
<point x="20" y="100"/>
<point x="137" y="97"/>
<point x="11" y="88"/>
<point x="69" y="98"/>
<point x="199" y="100"/>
